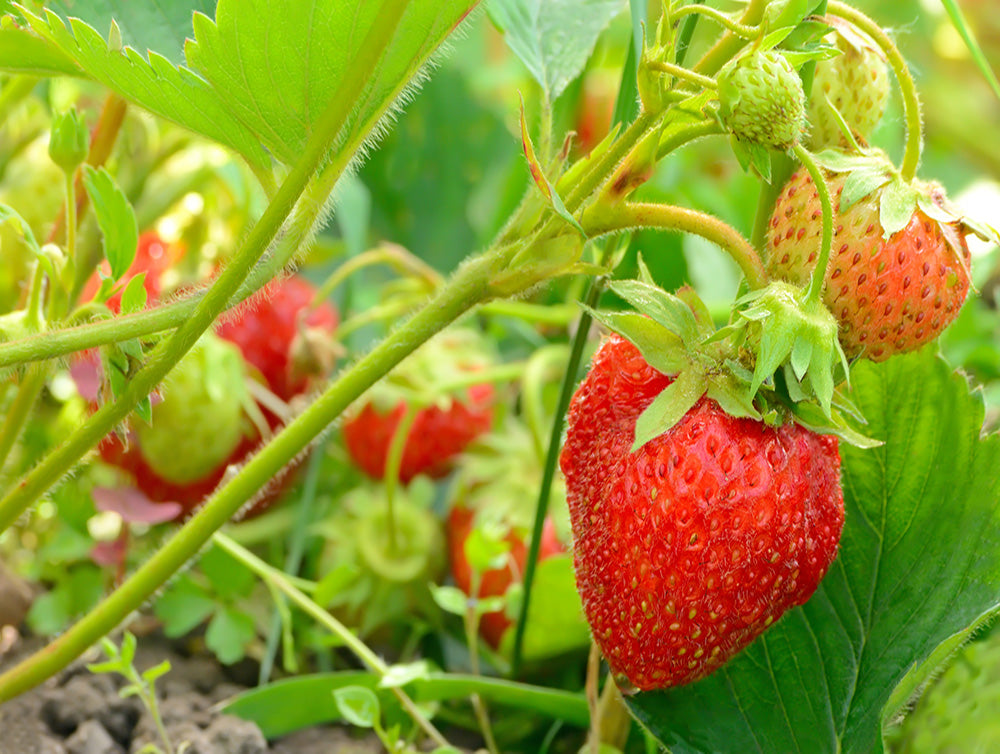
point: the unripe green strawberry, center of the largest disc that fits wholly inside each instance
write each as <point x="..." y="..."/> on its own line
<point x="856" y="82"/>
<point x="889" y="295"/>
<point x="199" y="421"/>
<point x="761" y="100"/>
<point x="959" y="713"/>
<point x="689" y="547"/>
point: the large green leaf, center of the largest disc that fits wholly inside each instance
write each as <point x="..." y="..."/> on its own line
<point x="160" y="25"/>
<point x="155" y="84"/>
<point x="23" y="53"/>
<point x="554" y="38"/>
<point x="919" y="563"/>
<point x="279" y="64"/>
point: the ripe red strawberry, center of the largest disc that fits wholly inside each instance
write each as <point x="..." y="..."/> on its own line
<point x="444" y="425"/>
<point x="495" y="581"/>
<point x="153" y="256"/>
<point x="690" y="547"/>
<point x="282" y="336"/>
<point x="889" y="295"/>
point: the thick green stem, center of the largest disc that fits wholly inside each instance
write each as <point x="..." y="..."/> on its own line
<point x="469" y="287"/>
<point x="680" y="72"/>
<point x="911" y="100"/>
<point x="731" y="43"/>
<point x="20" y="409"/>
<point x="602" y="219"/>
<point x="374" y="663"/>
<point x="819" y="271"/>
<point x="58" y="463"/>
<point x="740" y="30"/>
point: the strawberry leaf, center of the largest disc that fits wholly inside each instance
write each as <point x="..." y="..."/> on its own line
<point x="918" y="565"/>
<point x="115" y="217"/>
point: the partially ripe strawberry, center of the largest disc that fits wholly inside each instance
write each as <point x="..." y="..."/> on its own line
<point x="445" y="420"/>
<point x="890" y="295"/>
<point x="282" y="336"/>
<point x="494" y="582"/>
<point x="856" y="82"/>
<point x="690" y="547"/>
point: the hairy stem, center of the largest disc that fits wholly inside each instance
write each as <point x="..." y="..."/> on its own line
<point x="907" y="87"/>
<point x="393" y="463"/>
<point x="731" y="43"/>
<point x="680" y="72"/>
<point x="28" y="390"/>
<point x="740" y="30"/>
<point x="469" y="287"/>
<point x="819" y="271"/>
<point x="58" y="463"/>
<point x="600" y="220"/>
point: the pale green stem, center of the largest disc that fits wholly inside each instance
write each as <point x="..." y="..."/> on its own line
<point x="680" y="72"/>
<point x="467" y="288"/>
<point x="740" y="30"/>
<point x="60" y="461"/>
<point x="554" y="315"/>
<point x="396" y="257"/>
<point x="71" y="216"/>
<point x="390" y="310"/>
<point x="537" y="372"/>
<point x="611" y="219"/>
<point x="393" y="463"/>
<point x="28" y="390"/>
<point x="819" y="271"/>
<point x="911" y="99"/>
<point x="731" y="43"/>
<point x="281" y="582"/>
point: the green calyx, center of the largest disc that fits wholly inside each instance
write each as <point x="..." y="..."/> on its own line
<point x="790" y="344"/>
<point x="69" y="141"/>
<point x="782" y="328"/>
<point x="761" y="101"/>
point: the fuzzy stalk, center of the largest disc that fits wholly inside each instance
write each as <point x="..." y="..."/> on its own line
<point x="469" y="287"/>
<point x="603" y="219"/>
<point x="729" y="44"/>
<point x="162" y="359"/>
<point x="740" y="30"/>
<point x="907" y="87"/>
<point x="818" y="278"/>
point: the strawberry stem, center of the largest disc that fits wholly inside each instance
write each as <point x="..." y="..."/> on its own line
<point x="819" y="271"/>
<point x="603" y="219"/>
<point x="740" y="30"/>
<point x="393" y="462"/>
<point x="394" y="256"/>
<point x="680" y="72"/>
<point x="279" y="580"/>
<point x="28" y="390"/>
<point x="907" y="87"/>
<point x="731" y="43"/>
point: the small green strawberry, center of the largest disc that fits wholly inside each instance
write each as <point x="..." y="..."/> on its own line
<point x="856" y="83"/>
<point x="761" y="100"/>
<point x="200" y="421"/>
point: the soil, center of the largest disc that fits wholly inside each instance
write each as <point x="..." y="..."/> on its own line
<point x="79" y="712"/>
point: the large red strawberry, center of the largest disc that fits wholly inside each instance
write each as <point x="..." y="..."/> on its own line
<point x="895" y="279"/>
<point x="444" y="422"/>
<point x="281" y="334"/>
<point x="690" y="546"/>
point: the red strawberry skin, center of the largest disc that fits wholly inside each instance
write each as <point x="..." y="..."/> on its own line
<point x="689" y="548"/>
<point x="153" y="256"/>
<point x="494" y="582"/>
<point x="889" y="296"/>
<point x="266" y="326"/>
<point x="436" y="437"/>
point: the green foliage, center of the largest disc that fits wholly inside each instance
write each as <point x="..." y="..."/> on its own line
<point x="917" y="565"/>
<point x="553" y="38"/>
<point x="115" y="217"/>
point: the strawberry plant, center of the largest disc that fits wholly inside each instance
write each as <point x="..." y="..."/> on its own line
<point x="378" y="243"/>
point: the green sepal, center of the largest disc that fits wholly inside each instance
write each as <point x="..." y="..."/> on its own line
<point x="670" y="406"/>
<point x="542" y="181"/>
<point x="860" y="183"/>
<point x="731" y="393"/>
<point x="897" y="203"/>
<point x="812" y="417"/>
<point x="662" y="349"/>
<point x="752" y="156"/>
<point x="669" y="310"/>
